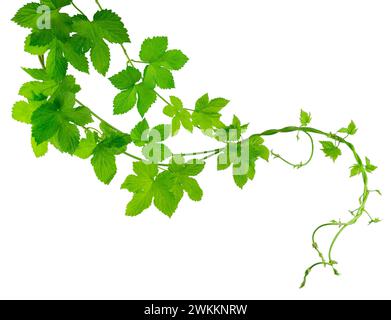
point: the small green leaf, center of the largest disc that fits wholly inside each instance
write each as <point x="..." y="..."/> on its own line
<point x="104" y="163"/>
<point x="68" y="137"/>
<point x="100" y="56"/>
<point x="22" y="112"/>
<point x="350" y="130"/>
<point x="56" y="64"/>
<point x="331" y="150"/>
<point x="125" y="101"/>
<point x="146" y="98"/>
<point x="38" y="74"/>
<point x="86" y="146"/>
<point x="46" y="121"/>
<point x="153" y="49"/>
<point x="126" y="79"/>
<point x="174" y="59"/>
<point x="27" y="16"/>
<point x="111" y="27"/>
<point x="369" y="167"/>
<point x="207" y="113"/>
<point x="355" y="170"/>
<point x="39" y="150"/>
<point x="140" y="134"/>
<point x="305" y="118"/>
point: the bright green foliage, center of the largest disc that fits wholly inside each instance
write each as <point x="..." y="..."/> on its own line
<point x="232" y="132"/>
<point x="22" y="110"/>
<point x="243" y="156"/>
<point x="180" y="116"/>
<point x="39" y="150"/>
<point x="131" y="92"/>
<point x="106" y="26"/>
<point x="61" y="41"/>
<point x="183" y="181"/>
<point x="38" y="74"/>
<point x="148" y="185"/>
<point x="161" y="62"/>
<point x="27" y="16"/>
<point x="50" y="120"/>
<point x="151" y="139"/>
<point x="305" y="118"/>
<point x="165" y="189"/>
<point x="207" y="113"/>
<point x="112" y="144"/>
<point x="369" y="167"/>
<point x="87" y="145"/>
<point x="355" y="170"/>
<point x="331" y="150"/>
<point x="350" y="130"/>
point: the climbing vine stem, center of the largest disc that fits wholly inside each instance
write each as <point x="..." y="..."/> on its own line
<point x="57" y="118"/>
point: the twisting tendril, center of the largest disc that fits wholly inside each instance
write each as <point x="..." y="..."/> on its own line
<point x="161" y="177"/>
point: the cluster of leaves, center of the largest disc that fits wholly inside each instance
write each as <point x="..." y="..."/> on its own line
<point x="166" y="189"/>
<point x="57" y="118"/>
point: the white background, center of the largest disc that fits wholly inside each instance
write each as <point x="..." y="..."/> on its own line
<point x="64" y="235"/>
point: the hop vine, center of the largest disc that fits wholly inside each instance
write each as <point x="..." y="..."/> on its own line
<point x="160" y="177"/>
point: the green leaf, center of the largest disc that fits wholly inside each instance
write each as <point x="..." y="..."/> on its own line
<point x="41" y="38"/>
<point x="39" y="150"/>
<point x="35" y="50"/>
<point x="174" y="59"/>
<point x="355" y="170"/>
<point x="86" y="146"/>
<point x="80" y="116"/>
<point x="22" y="111"/>
<point x="331" y="150"/>
<point x="126" y="79"/>
<point x="140" y="134"/>
<point x="183" y="182"/>
<point x="100" y="57"/>
<point x="350" y="130"/>
<point x="146" y="98"/>
<point x="240" y="180"/>
<point x="156" y="152"/>
<point x="193" y="189"/>
<point x="125" y="101"/>
<point x="104" y="163"/>
<point x="232" y="132"/>
<point x="305" y="118"/>
<point x="160" y="133"/>
<point x="190" y="169"/>
<point x="243" y="157"/>
<point x="180" y="116"/>
<point x="148" y="185"/>
<point x="77" y="59"/>
<point x="56" y="64"/>
<point x="46" y="121"/>
<point x="38" y="74"/>
<point x="38" y="91"/>
<point x="111" y="27"/>
<point x="164" y="199"/>
<point x="140" y="202"/>
<point x="27" y="16"/>
<point x="153" y="49"/>
<point x="369" y="167"/>
<point x="68" y="137"/>
<point x="207" y="113"/>
<point x="159" y="76"/>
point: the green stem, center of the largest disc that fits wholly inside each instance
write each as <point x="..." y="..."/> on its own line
<point x="363" y="199"/>
<point x="301" y="164"/>
<point x="78" y="9"/>
<point x="99" y="5"/>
